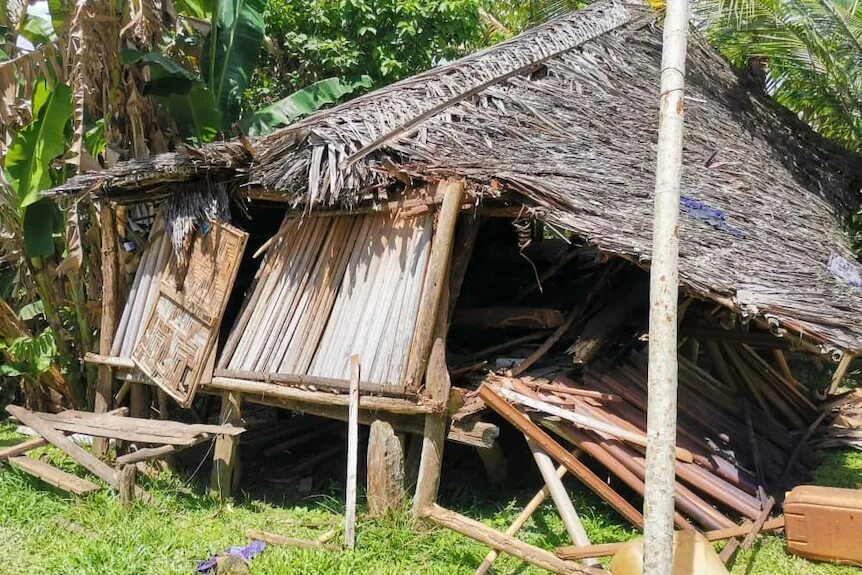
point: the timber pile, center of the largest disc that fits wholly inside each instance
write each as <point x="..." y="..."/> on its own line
<point x="154" y="440"/>
<point x="845" y="429"/>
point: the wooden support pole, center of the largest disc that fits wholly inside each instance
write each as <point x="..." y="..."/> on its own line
<point x="505" y="543"/>
<point x="110" y="297"/>
<point x="126" y="486"/>
<point x="225" y="453"/>
<point x="352" y="455"/>
<point x="435" y="280"/>
<point x="519" y="521"/>
<point x="437" y="386"/>
<point x="495" y="463"/>
<point x="561" y="498"/>
<point x="555" y="450"/>
<point x="664" y="295"/>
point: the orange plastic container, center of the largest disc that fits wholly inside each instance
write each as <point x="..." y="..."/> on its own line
<point x="824" y="523"/>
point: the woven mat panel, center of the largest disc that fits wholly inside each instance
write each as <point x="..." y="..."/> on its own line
<point x="182" y="329"/>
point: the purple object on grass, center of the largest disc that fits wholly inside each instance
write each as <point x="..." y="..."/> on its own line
<point x="247" y="553"/>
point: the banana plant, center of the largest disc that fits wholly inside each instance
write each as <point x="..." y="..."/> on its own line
<point x="209" y="102"/>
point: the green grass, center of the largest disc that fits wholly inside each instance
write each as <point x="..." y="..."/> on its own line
<point x="45" y="532"/>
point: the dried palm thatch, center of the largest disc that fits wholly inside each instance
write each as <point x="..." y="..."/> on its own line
<point x="563" y="117"/>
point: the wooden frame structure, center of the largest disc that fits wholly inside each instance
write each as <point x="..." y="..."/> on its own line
<point x="417" y="406"/>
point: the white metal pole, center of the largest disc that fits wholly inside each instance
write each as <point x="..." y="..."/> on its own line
<point x="664" y="280"/>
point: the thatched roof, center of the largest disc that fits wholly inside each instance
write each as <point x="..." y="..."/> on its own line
<point x="565" y="117"/>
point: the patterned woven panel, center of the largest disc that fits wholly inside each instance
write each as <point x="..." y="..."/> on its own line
<point x="183" y="327"/>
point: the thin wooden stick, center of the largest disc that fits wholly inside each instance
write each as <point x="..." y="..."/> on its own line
<point x="275" y="539"/>
<point x="352" y="456"/>
<point x="519" y="522"/>
<point x="758" y="524"/>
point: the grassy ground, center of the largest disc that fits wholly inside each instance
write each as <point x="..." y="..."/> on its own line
<point x="44" y="532"/>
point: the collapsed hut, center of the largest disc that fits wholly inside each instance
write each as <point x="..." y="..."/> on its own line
<point x="486" y="226"/>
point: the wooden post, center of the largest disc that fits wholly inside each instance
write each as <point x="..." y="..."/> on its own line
<point x="435" y="280"/>
<point x="429" y="345"/>
<point x="494" y="462"/>
<point x="664" y="294"/>
<point x="352" y="452"/>
<point x="385" y="489"/>
<point x="110" y="278"/>
<point x="437" y="386"/>
<point x="225" y="453"/>
<point x="561" y="498"/>
<point x="126" y="485"/>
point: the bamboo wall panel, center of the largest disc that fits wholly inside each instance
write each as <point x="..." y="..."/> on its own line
<point x="183" y="326"/>
<point x="139" y="304"/>
<point x="331" y="287"/>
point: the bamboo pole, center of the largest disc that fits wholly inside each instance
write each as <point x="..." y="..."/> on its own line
<point x="664" y="294"/>
<point x="563" y="502"/>
<point x="840" y="372"/>
<point x="352" y="456"/>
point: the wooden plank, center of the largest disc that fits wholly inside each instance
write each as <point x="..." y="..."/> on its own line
<point x="150" y="453"/>
<point x="22" y="448"/>
<point x="840" y="372"/>
<point x="53" y="476"/>
<point x="154" y="427"/>
<point x="573" y="552"/>
<point x="540" y="352"/>
<point x="586" y="421"/>
<point x="555" y="450"/>
<point x="352" y="455"/>
<point x="275" y="539"/>
<point x="61" y="442"/>
<point x="505" y="543"/>
<point x="316" y="381"/>
<point x="124" y="435"/>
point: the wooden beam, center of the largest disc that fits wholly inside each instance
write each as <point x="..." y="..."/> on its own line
<point x="540" y="352"/>
<point x="509" y="317"/>
<point x="260" y="389"/>
<point x="556" y="451"/>
<point x="505" y="543"/>
<point x="338" y="385"/>
<point x="352" y="454"/>
<point x="275" y="539"/>
<point x="226" y="447"/>
<point x="22" y="448"/>
<point x="126" y="487"/>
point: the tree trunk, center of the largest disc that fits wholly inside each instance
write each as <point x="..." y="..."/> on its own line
<point x="664" y="280"/>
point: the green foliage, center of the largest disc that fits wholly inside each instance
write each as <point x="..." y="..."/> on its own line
<point x="231" y="52"/>
<point x="31" y="355"/>
<point x="387" y="40"/>
<point x="196" y="115"/>
<point x="34" y="147"/>
<point x="810" y="51"/>
<point x="300" y="103"/>
<point x="31" y="310"/>
<point x="41" y="221"/>
<point x="517" y="15"/>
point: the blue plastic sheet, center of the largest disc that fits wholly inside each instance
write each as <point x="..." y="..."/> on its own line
<point x="713" y="216"/>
